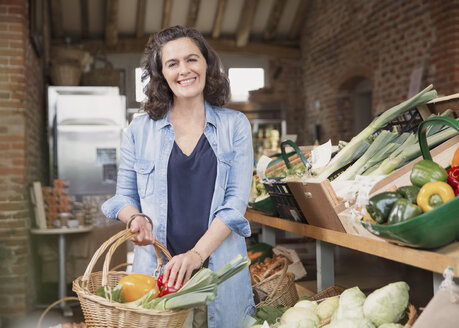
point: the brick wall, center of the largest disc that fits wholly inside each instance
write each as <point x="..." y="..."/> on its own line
<point x="344" y="42"/>
<point x="286" y="79"/>
<point x="22" y="160"/>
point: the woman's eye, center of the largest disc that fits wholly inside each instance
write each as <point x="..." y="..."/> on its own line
<point x="192" y="60"/>
<point x="171" y="65"/>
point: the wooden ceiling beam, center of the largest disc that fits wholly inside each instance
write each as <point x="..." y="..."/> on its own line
<point x="111" y="22"/>
<point x="167" y="9"/>
<point x="219" y="19"/>
<point x="193" y="11"/>
<point x="57" y="30"/>
<point x="84" y="9"/>
<point x="220" y="46"/>
<point x="273" y="21"/>
<point x="245" y="22"/>
<point x="298" y="21"/>
<point x="140" y="19"/>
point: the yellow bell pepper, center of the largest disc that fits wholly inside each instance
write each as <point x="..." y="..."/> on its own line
<point x="433" y="194"/>
<point x="135" y="285"/>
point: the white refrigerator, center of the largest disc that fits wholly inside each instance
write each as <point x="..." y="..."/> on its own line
<point x="85" y="128"/>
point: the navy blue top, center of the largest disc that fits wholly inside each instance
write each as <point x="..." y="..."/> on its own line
<point x="190" y="188"/>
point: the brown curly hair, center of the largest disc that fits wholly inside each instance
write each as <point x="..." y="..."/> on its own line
<point x="159" y="95"/>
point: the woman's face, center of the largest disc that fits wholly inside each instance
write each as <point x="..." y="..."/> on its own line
<point x="184" y="68"/>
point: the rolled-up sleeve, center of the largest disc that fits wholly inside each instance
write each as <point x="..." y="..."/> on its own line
<point x="126" y="186"/>
<point x="237" y="191"/>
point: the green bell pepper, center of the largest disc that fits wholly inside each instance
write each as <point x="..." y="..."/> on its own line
<point x="403" y="210"/>
<point x="427" y="171"/>
<point x="380" y="205"/>
<point x="409" y="192"/>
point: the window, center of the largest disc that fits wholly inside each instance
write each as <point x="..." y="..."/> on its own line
<point x="243" y="80"/>
<point x="139" y="85"/>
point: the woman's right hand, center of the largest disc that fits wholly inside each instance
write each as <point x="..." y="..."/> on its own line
<point x="145" y="235"/>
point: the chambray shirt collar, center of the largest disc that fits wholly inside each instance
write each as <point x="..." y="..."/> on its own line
<point x="210" y="117"/>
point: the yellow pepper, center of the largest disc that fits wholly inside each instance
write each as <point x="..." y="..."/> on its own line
<point x="433" y="194"/>
<point x="135" y="285"/>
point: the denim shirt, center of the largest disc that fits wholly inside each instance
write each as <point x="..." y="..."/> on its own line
<point x="142" y="182"/>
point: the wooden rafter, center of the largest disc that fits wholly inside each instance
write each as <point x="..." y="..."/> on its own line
<point x="219" y="18"/>
<point x="274" y="18"/>
<point x="111" y="22"/>
<point x="140" y="20"/>
<point x="295" y="29"/>
<point x="193" y="11"/>
<point x="84" y="9"/>
<point x="167" y="9"/>
<point x="56" y="20"/>
<point x="219" y="45"/>
<point x="245" y="22"/>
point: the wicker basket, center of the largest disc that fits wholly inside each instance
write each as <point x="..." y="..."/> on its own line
<point x="104" y="312"/>
<point x="65" y="72"/>
<point x="280" y="288"/>
<point x="408" y="321"/>
<point x="102" y="76"/>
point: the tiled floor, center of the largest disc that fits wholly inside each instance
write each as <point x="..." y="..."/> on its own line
<point x="352" y="268"/>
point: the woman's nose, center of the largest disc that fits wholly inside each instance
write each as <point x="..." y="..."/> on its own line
<point x="183" y="69"/>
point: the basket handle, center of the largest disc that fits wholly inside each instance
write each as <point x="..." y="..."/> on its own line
<point x="422" y="129"/>
<point x="65" y="299"/>
<point x="297" y="150"/>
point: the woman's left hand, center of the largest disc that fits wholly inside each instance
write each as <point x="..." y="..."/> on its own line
<point x="179" y="269"/>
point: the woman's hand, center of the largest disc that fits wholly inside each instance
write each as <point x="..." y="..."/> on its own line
<point x="143" y="227"/>
<point x="179" y="269"/>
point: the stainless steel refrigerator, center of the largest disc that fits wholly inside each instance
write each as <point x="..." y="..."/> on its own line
<point x="85" y="129"/>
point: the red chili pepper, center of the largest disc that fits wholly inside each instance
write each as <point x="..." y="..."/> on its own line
<point x="453" y="177"/>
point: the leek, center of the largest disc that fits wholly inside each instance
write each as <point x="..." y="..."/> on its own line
<point x="337" y="162"/>
<point x="412" y="151"/>
<point x="199" y="290"/>
<point x="383" y="145"/>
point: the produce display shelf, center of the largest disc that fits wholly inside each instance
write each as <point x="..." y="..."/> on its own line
<point x="435" y="261"/>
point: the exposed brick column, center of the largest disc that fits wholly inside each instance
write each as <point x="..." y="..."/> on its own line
<point x="445" y="49"/>
<point x="22" y="156"/>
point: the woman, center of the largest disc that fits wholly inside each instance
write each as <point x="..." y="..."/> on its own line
<point x="188" y="166"/>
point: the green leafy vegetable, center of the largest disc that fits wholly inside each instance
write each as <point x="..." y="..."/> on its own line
<point x="387" y="304"/>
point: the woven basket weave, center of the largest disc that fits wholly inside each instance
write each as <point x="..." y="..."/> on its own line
<point x="280" y="288"/>
<point x="104" y="312"/>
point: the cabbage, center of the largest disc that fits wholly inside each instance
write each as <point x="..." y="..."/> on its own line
<point x="391" y="325"/>
<point x="305" y="304"/>
<point x="352" y="323"/>
<point x="387" y="304"/>
<point x="296" y="315"/>
<point x="300" y="324"/>
<point x="326" y="308"/>
<point x="351" y="304"/>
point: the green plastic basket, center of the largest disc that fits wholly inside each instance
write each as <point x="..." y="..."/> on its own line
<point x="267" y="205"/>
<point x="432" y="229"/>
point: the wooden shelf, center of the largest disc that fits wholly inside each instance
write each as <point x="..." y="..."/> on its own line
<point x="436" y="261"/>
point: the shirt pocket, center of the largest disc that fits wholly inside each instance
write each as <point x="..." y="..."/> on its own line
<point x="225" y="162"/>
<point x="144" y="171"/>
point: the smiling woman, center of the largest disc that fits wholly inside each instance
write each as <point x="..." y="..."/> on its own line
<point x="187" y="164"/>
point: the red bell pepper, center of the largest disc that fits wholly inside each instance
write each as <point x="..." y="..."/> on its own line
<point x="453" y="177"/>
<point x="164" y="289"/>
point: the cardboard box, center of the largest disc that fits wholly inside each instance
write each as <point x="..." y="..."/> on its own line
<point x="440" y="312"/>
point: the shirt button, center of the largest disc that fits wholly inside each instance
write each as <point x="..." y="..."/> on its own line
<point x="142" y="170"/>
<point x="230" y="161"/>
<point x="214" y="144"/>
